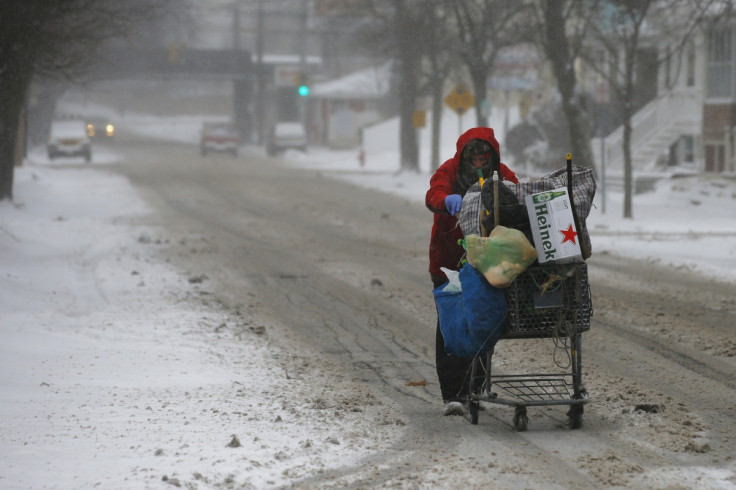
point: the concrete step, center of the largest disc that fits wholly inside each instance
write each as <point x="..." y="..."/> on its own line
<point x="642" y="183"/>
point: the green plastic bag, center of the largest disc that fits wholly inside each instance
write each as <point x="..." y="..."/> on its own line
<point x="501" y="256"/>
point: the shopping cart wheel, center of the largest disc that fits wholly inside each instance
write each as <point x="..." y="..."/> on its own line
<point x="521" y="421"/>
<point x="576" y="416"/>
<point x="474" y="408"/>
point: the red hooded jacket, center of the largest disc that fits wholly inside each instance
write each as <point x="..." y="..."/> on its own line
<point x="444" y="250"/>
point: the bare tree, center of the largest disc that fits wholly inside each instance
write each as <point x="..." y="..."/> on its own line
<point x="53" y="38"/>
<point x="399" y="29"/>
<point x="621" y="38"/>
<point x="438" y="39"/>
<point x="408" y="26"/>
<point x="484" y="28"/>
<point x="562" y="38"/>
<point x="620" y="30"/>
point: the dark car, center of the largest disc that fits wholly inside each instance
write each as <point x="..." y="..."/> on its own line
<point x="219" y="137"/>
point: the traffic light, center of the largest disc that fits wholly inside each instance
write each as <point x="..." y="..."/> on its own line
<point x="303" y="84"/>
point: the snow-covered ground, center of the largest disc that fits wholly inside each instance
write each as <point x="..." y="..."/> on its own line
<point x="113" y="376"/>
<point x="89" y="320"/>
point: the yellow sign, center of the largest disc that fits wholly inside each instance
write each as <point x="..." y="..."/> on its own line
<point x="460" y="100"/>
<point x="419" y="119"/>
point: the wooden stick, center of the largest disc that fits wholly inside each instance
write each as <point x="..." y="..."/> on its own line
<point x="495" y="199"/>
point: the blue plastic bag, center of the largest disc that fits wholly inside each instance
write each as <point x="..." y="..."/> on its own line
<point x="471" y="321"/>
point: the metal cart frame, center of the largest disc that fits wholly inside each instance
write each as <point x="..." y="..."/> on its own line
<point x="545" y="301"/>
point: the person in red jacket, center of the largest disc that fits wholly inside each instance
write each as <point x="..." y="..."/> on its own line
<point x="477" y="148"/>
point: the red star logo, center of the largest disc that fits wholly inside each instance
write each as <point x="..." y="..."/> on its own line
<point x="569" y="235"/>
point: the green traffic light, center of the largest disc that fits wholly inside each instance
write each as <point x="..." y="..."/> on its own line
<point x="303" y="90"/>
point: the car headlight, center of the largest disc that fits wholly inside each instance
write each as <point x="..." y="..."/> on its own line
<point x="110" y="129"/>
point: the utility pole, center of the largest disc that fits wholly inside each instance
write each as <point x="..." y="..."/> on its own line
<point x="303" y="60"/>
<point x="260" y="77"/>
<point x="236" y="26"/>
<point x="242" y="87"/>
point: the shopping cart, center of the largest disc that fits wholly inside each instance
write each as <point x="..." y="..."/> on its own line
<point x="545" y="301"/>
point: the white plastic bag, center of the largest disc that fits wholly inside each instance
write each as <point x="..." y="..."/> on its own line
<point x="454" y="285"/>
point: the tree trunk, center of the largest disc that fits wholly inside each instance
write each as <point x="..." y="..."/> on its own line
<point x="13" y="87"/>
<point x="21" y="138"/>
<point x="479" y="87"/>
<point x="628" y="103"/>
<point x="628" y="174"/>
<point x="580" y="135"/>
<point x="628" y="115"/>
<point x="437" y="101"/>
<point x="408" y="90"/>
<point x="558" y="52"/>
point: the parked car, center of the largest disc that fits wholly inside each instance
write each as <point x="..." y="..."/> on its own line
<point x="69" y="138"/>
<point x="285" y="135"/>
<point x="221" y="137"/>
<point x="98" y="128"/>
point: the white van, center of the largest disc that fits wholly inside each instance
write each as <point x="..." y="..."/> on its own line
<point x="69" y="138"/>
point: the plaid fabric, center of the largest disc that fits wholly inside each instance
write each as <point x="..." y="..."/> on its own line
<point x="469" y="217"/>
<point x="583" y="187"/>
<point x="583" y="191"/>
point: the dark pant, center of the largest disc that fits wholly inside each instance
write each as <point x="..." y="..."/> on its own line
<point x="453" y="372"/>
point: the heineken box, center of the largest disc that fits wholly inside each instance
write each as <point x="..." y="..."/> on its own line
<point x="553" y="227"/>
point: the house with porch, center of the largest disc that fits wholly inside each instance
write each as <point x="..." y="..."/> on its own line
<point x="689" y="124"/>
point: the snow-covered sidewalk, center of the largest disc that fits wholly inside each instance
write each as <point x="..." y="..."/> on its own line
<point x="115" y="374"/>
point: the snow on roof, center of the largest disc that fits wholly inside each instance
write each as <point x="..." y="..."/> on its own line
<point x="286" y="59"/>
<point x="371" y="83"/>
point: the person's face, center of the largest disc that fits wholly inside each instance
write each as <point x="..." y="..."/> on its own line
<point x="479" y="160"/>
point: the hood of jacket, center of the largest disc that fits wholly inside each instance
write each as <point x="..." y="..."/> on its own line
<point x="485" y="134"/>
<point x="470" y="142"/>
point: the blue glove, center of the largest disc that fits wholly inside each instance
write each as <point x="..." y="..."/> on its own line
<point x="453" y="203"/>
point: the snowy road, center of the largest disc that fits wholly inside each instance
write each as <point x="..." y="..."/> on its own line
<point x="253" y="325"/>
<point x="332" y="279"/>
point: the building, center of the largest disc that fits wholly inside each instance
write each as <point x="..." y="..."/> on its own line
<point x="688" y="123"/>
<point x="346" y="104"/>
<point x="294" y="45"/>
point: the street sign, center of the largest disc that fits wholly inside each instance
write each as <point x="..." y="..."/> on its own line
<point x="287" y="76"/>
<point x="460" y="100"/>
<point x="419" y="118"/>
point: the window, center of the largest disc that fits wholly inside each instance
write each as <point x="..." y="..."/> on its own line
<point x="715" y="157"/>
<point x="682" y="151"/>
<point x="688" y="148"/>
<point x="720" y="63"/>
